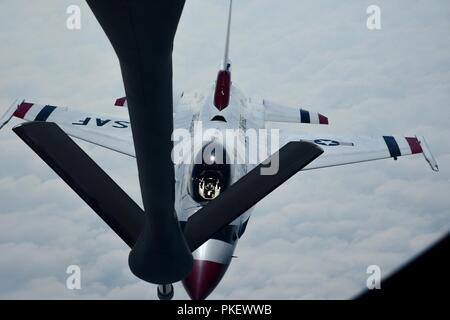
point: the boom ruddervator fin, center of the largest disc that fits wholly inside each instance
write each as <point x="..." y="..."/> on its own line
<point x="293" y="157"/>
<point x="85" y="177"/>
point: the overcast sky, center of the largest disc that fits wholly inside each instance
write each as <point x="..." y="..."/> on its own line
<point x="313" y="237"/>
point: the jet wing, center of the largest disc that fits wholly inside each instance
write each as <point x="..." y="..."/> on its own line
<point x="103" y="130"/>
<point x="342" y="150"/>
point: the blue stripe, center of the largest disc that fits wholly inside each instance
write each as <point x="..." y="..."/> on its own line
<point x="44" y="113"/>
<point x="392" y="145"/>
<point x="304" y="116"/>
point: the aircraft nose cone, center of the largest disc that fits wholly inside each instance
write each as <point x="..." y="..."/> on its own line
<point x="204" y="278"/>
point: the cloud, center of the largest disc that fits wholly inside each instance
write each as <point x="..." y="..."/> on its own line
<point x="314" y="236"/>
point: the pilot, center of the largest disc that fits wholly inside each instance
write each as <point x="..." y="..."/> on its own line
<point x="209" y="180"/>
<point x="209" y="188"/>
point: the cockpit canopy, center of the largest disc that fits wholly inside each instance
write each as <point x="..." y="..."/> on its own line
<point x="210" y="177"/>
<point x="209" y="187"/>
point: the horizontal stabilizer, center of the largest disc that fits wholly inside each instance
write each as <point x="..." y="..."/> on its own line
<point x="427" y="154"/>
<point x="278" y="113"/>
<point x="121" y="102"/>
<point x="8" y="114"/>
<point x="85" y="177"/>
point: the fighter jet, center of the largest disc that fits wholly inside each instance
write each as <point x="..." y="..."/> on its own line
<point x="196" y="208"/>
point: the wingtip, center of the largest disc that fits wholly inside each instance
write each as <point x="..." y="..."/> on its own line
<point x="428" y="155"/>
<point x="9" y="113"/>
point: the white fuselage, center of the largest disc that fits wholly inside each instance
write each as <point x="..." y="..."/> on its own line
<point x="198" y="114"/>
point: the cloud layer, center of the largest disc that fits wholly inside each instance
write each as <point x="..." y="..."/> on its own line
<point x="313" y="237"/>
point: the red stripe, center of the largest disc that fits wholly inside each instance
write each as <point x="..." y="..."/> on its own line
<point x="222" y="94"/>
<point x="120" y="102"/>
<point x="414" y="144"/>
<point x="22" y="109"/>
<point x="204" y="278"/>
<point x="323" y="119"/>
